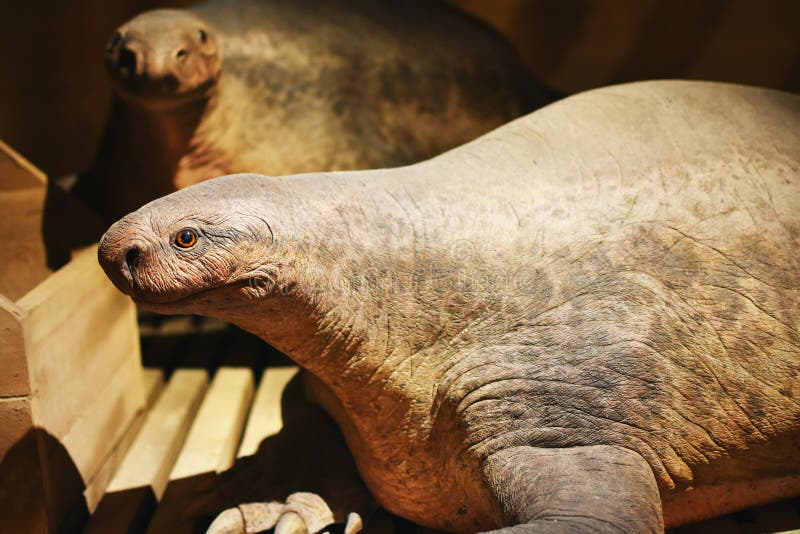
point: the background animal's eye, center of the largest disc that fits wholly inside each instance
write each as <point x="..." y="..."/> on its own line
<point x="186" y="238"/>
<point x="203" y="36"/>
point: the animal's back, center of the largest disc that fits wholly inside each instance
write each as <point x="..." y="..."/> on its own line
<point x="353" y="84"/>
<point x="622" y="267"/>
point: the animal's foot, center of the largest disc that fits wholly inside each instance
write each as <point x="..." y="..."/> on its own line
<point x="302" y="513"/>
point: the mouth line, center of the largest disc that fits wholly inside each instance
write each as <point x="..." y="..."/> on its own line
<point x="148" y="89"/>
<point x="183" y="298"/>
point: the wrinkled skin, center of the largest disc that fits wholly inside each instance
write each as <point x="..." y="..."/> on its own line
<point x="282" y="87"/>
<point x="586" y="320"/>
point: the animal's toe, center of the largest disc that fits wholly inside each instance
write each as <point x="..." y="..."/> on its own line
<point x="228" y="522"/>
<point x="291" y="523"/>
<point x="354" y="524"/>
<point x="311" y="509"/>
<point x="303" y="513"/>
<point x="247" y="518"/>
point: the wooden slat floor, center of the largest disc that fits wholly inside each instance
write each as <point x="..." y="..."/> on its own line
<point x="231" y="425"/>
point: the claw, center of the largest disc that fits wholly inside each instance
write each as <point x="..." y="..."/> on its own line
<point x="291" y="523"/>
<point x="260" y="516"/>
<point x="311" y="508"/>
<point x="354" y="524"/>
<point x="228" y="522"/>
<point x="246" y="518"/>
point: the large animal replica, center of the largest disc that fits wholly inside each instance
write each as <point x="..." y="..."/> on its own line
<point x="283" y="87"/>
<point x="586" y="320"/>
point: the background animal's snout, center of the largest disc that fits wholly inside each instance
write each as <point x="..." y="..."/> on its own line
<point x="125" y="57"/>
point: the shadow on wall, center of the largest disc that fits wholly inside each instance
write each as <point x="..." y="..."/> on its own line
<point x="66" y="225"/>
<point x="575" y="45"/>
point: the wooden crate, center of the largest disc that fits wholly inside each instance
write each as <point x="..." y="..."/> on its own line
<point x="71" y="384"/>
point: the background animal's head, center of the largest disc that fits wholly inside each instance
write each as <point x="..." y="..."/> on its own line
<point x="164" y="57"/>
<point x="200" y="248"/>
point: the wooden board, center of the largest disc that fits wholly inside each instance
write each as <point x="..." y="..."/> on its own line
<point x="71" y="355"/>
<point x="23" y="191"/>
<point x="209" y="449"/>
<point x="153" y="380"/>
<point x="105" y="419"/>
<point x="41" y="225"/>
<point x="157" y="447"/>
<point x="80" y="330"/>
<point x="141" y="479"/>
<point x="265" y="418"/>
<point x="214" y="436"/>
<point x="14" y="379"/>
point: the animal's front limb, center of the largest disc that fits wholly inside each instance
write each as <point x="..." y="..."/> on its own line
<point x="582" y="489"/>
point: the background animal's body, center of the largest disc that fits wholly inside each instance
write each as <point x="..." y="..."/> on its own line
<point x="586" y="316"/>
<point x="304" y="86"/>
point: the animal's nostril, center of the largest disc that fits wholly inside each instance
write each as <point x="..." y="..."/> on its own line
<point x="181" y="54"/>
<point x="132" y="258"/>
<point x="115" y="40"/>
<point x="127" y="62"/>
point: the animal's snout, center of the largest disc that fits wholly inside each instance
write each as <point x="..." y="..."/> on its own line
<point x="120" y="259"/>
<point x="125" y="57"/>
<point x="127" y="61"/>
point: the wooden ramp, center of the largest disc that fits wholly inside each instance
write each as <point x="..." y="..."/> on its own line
<point x="232" y="425"/>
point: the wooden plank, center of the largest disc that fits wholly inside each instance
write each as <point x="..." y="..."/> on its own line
<point x="210" y="448"/>
<point x="104" y="421"/>
<point x="80" y="330"/>
<point x="23" y="193"/>
<point x="16" y="172"/>
<point x="177" y="325"/>
<point x="72" y="461"/>
<point x="142" y="477"/>
<point x="265" y="418"/>
<point x="14" y="378"/>
<point x="153" y="456"/>
<point x="85" y="369"/>
<point x="23" y="262"/>
<point x="214" y="437"/>
<point x="153" y="380"/>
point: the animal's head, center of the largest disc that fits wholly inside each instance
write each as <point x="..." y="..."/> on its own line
<point x="164" y="57"/>
<point x="199" y="250"/>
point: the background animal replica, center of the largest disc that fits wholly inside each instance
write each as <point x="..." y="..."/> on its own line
<point x="287" y="87"/>
<point x="585" y="320"/>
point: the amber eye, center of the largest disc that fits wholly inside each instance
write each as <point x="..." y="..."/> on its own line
<point x="203" y="36"/>
<point x="186" y="238"/>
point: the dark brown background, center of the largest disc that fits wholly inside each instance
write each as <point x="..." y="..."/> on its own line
<point x="54" y="94"/>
